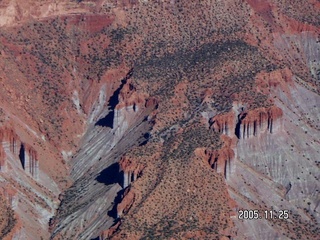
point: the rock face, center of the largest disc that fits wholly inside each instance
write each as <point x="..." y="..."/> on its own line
<point x="159" y="119"/>
<point x="278" y="162"/>
<point x="3" y="166"/>
<point x="30" y="161"/>
<point x="243" y="125"/>
<point x="253" y="123"/>
<point x="27" y="155"/>
<point x="10" y="141"/>
<point x="98" y="183"/>
<point x="130" y="170"/>
<point x="26" y="190"/>
<point x="224" y="123"/>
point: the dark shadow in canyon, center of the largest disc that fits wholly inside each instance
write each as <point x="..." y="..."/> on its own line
<point x="111" y="175"/>
<point x="145" y="139"/>
<point x="114" y="212"/>
<point x="237" y="131"/>
<point x="22" y="156"/>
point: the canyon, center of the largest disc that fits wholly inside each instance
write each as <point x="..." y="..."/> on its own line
<point x="139" y="119"/>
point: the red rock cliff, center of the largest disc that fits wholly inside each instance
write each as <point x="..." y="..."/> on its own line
<point x="10" y="140"/>
<point x="248" y="123"/>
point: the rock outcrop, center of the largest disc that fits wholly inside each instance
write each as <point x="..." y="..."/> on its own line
<point x="130" y="170"/>
<point x="257" y="121"/>
<point x="124" y="206"/>
<point x="222" y="160"/>
<point x="249" y="123"/>
<point x="26" y="186"/>
<point x="30" y="159"/>
<point x="10" y="141"/>
<point x="125" y="124"/>
<point x="269" y="161"/>
<point x="224" y="123"/>
<point x="24" y="153"/>
<point x="3" y="165"/>
<point x="131" y="103"/>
